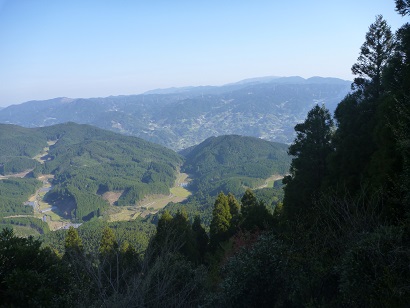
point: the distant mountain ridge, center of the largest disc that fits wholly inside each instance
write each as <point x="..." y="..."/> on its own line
<point x="266" y="107"/>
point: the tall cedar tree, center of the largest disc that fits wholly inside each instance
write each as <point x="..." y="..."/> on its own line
<point x="201" y="238"/>
<point x="108" y="242"/>
<point x="73" y="243"/>
<point x="175" y="233"/>
<point x="361" y="122"/>
<point x="390" y="162"/>
<point x="310" y="149"/>
<point x="248" y="201"/>
<point x="374" y="54"/>
<point x="221" y="221"/>
<point x="185" y="235"/>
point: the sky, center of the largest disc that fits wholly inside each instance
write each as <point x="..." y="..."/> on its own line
<point x="98" y="48"/>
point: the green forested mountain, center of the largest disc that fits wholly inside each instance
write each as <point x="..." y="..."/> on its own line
<point x="20" y="141"/>
<point x="230" y="163"/>
<point x="87" y="162"/>
<point x="14" y="192"/>
<point x="17" y="147"/>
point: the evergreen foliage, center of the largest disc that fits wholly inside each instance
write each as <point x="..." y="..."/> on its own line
<point x="403" y="7"/>
<point x="31" y="276"/>
<point x="19" y="141"/>
<point x="221" y="221"/>
<point x="228" y="163"/>
<point x="87" y="162"/>
<point x="308" y="169"/>
<point x="201" y="238"/>
<point x="73" y="241"/>
<point x="14" y="193"/>
<point x="374" y="54"/>
<point x="248" y="201"/>
<point x="37" y="224"/>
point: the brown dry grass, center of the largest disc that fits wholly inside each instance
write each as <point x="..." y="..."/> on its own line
<point x="112" y="196"/>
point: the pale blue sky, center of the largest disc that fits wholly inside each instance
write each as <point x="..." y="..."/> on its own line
<point x="97" y="48"/>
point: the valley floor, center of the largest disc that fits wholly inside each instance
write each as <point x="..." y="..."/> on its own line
<point x="151" y="204"/>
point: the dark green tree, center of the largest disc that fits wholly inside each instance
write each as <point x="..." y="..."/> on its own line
<point x="108" y="243"/>
<point x="403" y="7"/>
<point x="73" y="243"/>
<point x="31" y="276"/>
<point x="221" y="221"/>
<point x="258" y="217"/>
<point x="375" y="271"/>
<point x="164" y="222"/>
<point x="391" y="160"/>
<point x="181" y="227"/>
<point x="374" y="54"/>
<point x="248" y="201"/>
<point x="235" y="210"/>
<point x="201" y="238"/>
<point x="255" y="215"/>
<point x="234" y="206"/>
<point x="355" y="140"/>
<point x="176" y="232"/>
<point x="310" y="150"/>
<point x="353" y="143"/>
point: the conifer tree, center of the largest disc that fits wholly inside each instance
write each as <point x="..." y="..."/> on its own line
<point x="310" y="149"/>
<point x="234" y="206"/>
<point x="201" y="238"/>
<point x="108" y="242"/>
<point x="73" y="243"/>
<point x="374" y="54"/>
<point x="235" y="210"/>
<point x="248" y="201"/>
<point x="181" y="227"/>
<point x="221" y="221"/>
<point x="164" y="220"/>
<point x="31" y="276"/>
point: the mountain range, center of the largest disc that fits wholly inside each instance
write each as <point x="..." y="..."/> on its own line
<point x="266" y="107"/>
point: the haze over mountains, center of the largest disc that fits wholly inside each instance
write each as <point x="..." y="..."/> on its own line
<point x="267" y="107"/>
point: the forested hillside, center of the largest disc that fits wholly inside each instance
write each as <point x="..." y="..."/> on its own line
<point x="85" y="163"/>
<point x="230" y="163"/>
<point x="17" y="147"/>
